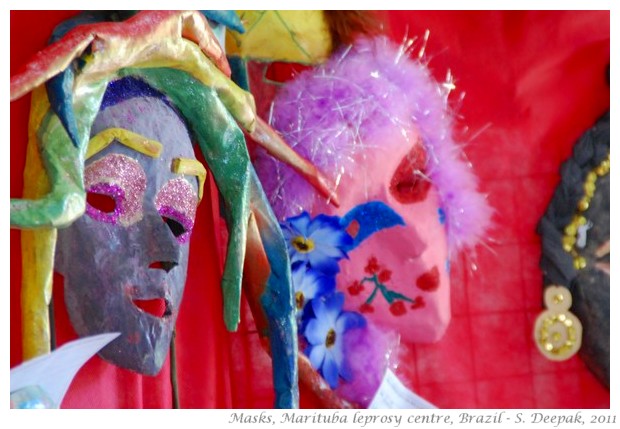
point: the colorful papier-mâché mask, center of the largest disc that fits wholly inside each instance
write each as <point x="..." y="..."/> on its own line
<point x="125" y="261"/>
<point x="378" y="124"/>
<point x="116" y="193"/>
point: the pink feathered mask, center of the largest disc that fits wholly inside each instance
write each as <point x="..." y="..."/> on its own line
<point x="377" y="123"/>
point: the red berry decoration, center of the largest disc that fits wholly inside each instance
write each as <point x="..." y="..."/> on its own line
<point x="418" y="303"/>
<point x="398" y="308"/>
<point x="355" y="288"/>
<point x="429" y="281"/>
<point x="373" y="266"/>
<point x="366" y="308"/>
<point x="384" y="276"/>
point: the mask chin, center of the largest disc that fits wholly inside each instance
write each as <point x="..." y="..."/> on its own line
<point x="146" y="325"/>
<point x="143" y="350"/>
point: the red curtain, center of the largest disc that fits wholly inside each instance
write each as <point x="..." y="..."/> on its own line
<point x="527" y="85"/>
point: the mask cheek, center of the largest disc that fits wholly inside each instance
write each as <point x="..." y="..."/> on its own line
<point x="92" y="246"/>
<point x="177" y="280"/>
<point x="406" y="268"/>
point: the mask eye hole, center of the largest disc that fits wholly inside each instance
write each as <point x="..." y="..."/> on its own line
<point x="175" y="226"/>
<point x="176" y="203"/>
<point x="102" y="202"/>
<point x="115" y="186"/>
<point x="409" y="183"/>
<point x="180" y="225"/>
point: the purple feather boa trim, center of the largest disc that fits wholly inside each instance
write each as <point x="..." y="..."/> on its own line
<point x="327" y="115"/>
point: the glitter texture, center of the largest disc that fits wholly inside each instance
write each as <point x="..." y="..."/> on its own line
<point x="126" y="88"/>
<point x="119" y="172"/>
<point x="187" y="223"/>
<point x="177" y="200"/>
<point x="110" y="190"/>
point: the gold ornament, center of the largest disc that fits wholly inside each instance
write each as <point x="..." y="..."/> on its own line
<point x="557" y="331"/>
<point x="571" y="231"/>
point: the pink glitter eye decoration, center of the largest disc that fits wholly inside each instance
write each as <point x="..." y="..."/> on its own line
<point x="105" y="202"/>
<point x="115" y="186"/>
<point x="176" y="202"/>
<point x="180" y="225"/>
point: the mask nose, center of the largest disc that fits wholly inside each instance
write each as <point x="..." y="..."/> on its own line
<point x="163" y="249"/>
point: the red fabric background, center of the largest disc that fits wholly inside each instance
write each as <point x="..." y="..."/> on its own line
<point x="532" y="83"/>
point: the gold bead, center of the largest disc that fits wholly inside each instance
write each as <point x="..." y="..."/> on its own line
<point x="581" y="220"/>
<point x="584" y="204"/>
<point x="580" y="263"/>
<point x="571" y="229"/>
<point x="569" y="241"/>
<point x="589" y="188"/>
<point x="591" y="177"/>
<point x="576" y="263"/>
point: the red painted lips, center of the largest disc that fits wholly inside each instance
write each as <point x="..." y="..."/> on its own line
<point x="155" y="307"/>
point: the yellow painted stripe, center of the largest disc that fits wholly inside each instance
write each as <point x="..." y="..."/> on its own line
<point x="132" y="140"/>
<point x="192" y="167"/>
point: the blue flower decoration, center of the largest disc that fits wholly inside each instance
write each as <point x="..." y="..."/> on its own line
<point x="325" y="334"/>
<point x="309" y="284"/>
<point x="318" y="242"/>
